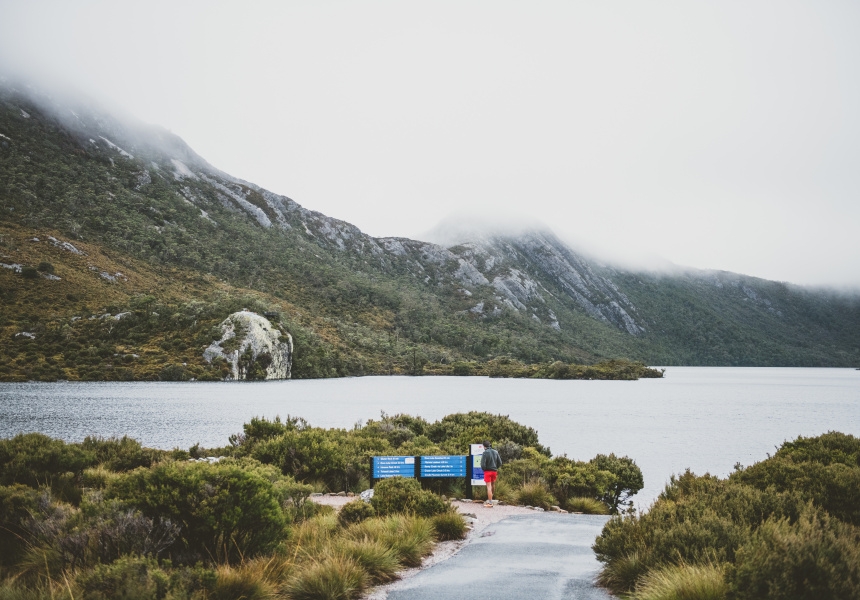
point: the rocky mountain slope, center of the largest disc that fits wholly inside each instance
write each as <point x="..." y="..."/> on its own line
<point x="137" y="197"/>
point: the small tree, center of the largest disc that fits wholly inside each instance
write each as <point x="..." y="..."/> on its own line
<point x="628" y="479"/>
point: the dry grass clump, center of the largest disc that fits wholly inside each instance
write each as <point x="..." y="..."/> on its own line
<point x="12" y="589"/>
<point x="249" y="581"/>
<point x="379" y="560"/>
<point x="682" y="582"/>
<point x="534" y="494"/>
<point x="335" y="577"/>
<point x="311" y="537"/>
<point x="98" y="477"/>
<point x="589" y="506"/>
<point x="324" y="560"/>
<point x="622" y="572"/>
<point x="449" y="526"/>
<point x="411" y="537"/>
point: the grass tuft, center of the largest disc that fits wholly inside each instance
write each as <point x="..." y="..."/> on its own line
<point x="335" y="577"/>
<point x="682" y="582"/>
<point x="98" y="477"/>
<point x="249" y="581"/>
<point x="311" y="537"/>
<point x="449" y="526"/>
<point x="377" y="559"/>
<point x="12" y="589"/>
<point x="589" y="506"/>
<point x="621" y="574"/>
<point x="411" y="537"/>
<point x="535" y="494"/>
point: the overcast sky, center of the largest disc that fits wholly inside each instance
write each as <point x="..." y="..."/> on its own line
<point x="718" y="135"/>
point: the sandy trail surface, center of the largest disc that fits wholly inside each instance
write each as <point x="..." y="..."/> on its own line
<point x="479" y="518"/>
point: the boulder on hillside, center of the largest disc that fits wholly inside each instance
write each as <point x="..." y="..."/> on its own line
<point x="253" y="347"/>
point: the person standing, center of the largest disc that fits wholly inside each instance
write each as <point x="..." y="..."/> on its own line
<point x="490" y="463"/>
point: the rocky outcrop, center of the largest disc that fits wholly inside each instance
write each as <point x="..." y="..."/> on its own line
<point x="253" y="347"/>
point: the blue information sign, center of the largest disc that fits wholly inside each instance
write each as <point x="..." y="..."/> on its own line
<point x="443" y="466"/>
<point x="393" y="466"/>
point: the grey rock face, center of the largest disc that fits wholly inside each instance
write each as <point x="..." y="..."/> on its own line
<point x="523" y="270"/>
<point x="249" y="343"/>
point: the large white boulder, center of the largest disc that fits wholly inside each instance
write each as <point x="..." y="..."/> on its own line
<point x="251" y="345"/>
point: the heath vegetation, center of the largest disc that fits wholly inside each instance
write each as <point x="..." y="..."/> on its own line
<point x="787" y="527"/>
<point x="108" y="518"/>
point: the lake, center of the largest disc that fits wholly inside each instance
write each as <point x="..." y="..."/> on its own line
<point x="703" y="418"/>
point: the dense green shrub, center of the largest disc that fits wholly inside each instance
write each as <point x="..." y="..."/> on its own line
<point x="355" y="512"/>
<point x="119" y="454"/>
<point x="129" y="578"/>
<point x="455" y="432"/>
<point x="17" y="504"/>
<point x="402" y="495"/>
<point x="398" y="429"/>
<point x="173" y="373"/>
<point x="260" y="429"/>
<point x="463" y="368"/>
<point x="606" y="479"/>
<point x="35" y="459"/>
<point x="114" y="530"/>
<point x="339" y="459"/>
<point x="226" y="511"/>
<point x="612" y="369"/>
<point x="815" y="558"/>
<point x="783" y="526"/>
<point x="295" y="498"/>
<point x="824" y="469"/>
<point x="136" y="578"/>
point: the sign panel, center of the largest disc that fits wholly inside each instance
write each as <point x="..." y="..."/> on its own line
<point x="443" y="466"/>
<point x="393" y="466"/>
<point x="477" y="450"/>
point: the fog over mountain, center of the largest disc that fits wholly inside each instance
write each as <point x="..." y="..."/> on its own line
<point x="108" y="219"/>
<point x="721" y="136"/>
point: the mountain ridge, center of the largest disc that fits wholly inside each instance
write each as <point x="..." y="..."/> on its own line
<point x="528" y="296"/>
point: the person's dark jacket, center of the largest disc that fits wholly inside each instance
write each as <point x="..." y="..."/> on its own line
<point x="490" y="460"/>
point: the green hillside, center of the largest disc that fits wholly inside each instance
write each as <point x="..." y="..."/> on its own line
<point x="122" y="250"/>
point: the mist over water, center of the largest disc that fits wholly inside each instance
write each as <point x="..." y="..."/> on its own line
<point x="705" y="419"/>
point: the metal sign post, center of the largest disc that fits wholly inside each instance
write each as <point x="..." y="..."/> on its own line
<point x="475" y="475"/>
<point x="426" y="467"/>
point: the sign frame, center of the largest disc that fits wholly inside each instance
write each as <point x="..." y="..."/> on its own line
<point x="384" y="467"/>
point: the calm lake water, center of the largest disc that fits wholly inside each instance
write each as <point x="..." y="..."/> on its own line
<point x="705" y="419"/>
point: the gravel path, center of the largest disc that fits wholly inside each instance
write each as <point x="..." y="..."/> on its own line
<point x="477" y="515"/>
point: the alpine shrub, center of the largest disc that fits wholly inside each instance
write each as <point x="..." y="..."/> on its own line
<point x="355" y="512"/>
<point x="228" y="511"/>
<point x="401" y="495"/>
